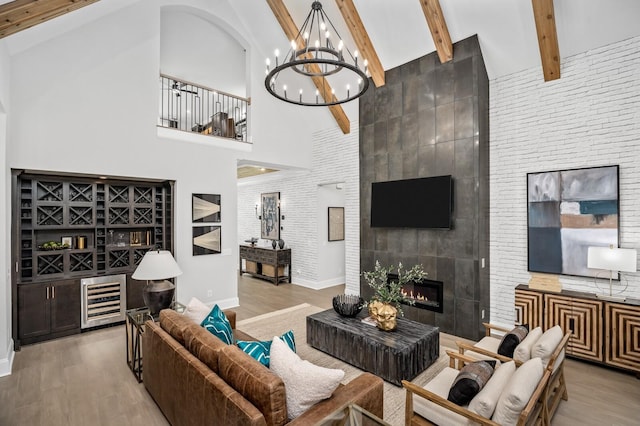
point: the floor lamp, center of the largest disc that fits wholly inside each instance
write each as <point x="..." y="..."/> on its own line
<point x="614" y="260"/>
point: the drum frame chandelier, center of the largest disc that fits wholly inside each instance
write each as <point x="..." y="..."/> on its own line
<point x="313" y="54"/>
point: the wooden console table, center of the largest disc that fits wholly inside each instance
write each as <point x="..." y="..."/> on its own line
<point x="603" y="331"/>
<point x="266" y="263"/>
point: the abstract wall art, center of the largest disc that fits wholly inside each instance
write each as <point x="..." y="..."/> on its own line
<point x="205" y="208"/>
<point x="206" y="240"/>
<point x="270" y="225"/>
<point x="568" y="211"/>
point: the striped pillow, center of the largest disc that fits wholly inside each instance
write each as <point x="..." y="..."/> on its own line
<point x="216" y="323"/>
<point x="261" y="351"/>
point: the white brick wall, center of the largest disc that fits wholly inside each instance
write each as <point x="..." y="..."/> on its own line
<point x="335" y="158"/>
<point x="589" y="117"/>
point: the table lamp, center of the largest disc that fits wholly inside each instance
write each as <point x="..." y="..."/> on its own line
<point x="156" y="267"/>
<point x="612" y="259"/>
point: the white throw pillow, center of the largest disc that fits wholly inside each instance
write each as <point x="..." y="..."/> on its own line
<point x="484" y="403"/>
<point x="523" y="350"/>
<point x="196" y="311"/>
<point x="517" y="392"/>
<point x="547" y="343"/>
<point x="305" y="383"/>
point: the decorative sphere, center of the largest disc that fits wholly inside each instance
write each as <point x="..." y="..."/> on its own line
<point x="348" y="305"/>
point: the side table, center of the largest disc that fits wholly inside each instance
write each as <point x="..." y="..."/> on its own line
<point x="135" y="319"/>
<point x="351" y="415"/>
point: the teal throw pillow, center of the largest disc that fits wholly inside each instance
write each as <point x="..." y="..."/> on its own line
<point x="261" y="350"/>
<point x="216" y="323"/>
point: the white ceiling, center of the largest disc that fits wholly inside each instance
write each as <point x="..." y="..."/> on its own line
<point x="399" y="32"/>
<point x="505" y="28"/>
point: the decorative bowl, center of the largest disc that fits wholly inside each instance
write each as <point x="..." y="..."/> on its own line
<point x="348" y="305"/>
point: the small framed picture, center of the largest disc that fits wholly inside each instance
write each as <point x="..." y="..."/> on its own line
<point x="336" y="223"/>
<point x="68" y="241"/>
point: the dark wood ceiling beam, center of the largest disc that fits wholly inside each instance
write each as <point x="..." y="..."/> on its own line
<point x="19" y="15"/>
<point x="291" y="31"/>
<point x="543" y="13"/>
<point x="363" y="42"/>
<point x="438" y="28"/>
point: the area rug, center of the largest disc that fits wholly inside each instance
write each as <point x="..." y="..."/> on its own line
<point x="264" y="327"/>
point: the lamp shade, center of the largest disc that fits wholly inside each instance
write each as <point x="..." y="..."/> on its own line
<point x="612" y="259"/>
<point x="157" y="265"/>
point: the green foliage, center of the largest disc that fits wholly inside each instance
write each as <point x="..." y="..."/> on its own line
<point x="392" y="292"/>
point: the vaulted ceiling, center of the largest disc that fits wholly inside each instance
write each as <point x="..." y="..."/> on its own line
<point x="514" y="34"/>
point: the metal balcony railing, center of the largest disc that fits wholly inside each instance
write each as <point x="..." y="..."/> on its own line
<point x="192" y="108"/>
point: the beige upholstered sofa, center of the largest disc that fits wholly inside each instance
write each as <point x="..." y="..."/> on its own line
<point x="196" y="379"/>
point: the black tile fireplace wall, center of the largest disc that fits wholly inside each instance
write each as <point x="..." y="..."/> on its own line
<point x="432" y="119"/>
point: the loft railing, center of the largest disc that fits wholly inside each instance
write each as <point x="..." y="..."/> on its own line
<point x="193" y="108"/>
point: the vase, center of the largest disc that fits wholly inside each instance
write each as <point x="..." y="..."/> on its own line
<point x="274" y="244"/>
<point x="281" y="244"/>
<point x="385" y="315"/>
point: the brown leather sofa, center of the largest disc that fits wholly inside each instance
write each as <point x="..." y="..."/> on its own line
<point x="196" y="379"/>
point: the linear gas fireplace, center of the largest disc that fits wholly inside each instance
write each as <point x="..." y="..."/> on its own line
<point x="427" y="294"/>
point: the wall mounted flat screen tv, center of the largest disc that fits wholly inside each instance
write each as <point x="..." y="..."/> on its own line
<point x="412" y="203"/>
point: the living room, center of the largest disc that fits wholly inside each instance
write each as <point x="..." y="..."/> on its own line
<point x="587" y="118"/>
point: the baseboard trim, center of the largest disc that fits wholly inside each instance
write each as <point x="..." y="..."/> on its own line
<point x="6" y="363"/>
<point x="224" y="303"/>
<point x="319" y="285"/>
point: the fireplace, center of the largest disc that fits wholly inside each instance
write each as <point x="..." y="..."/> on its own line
<point x="427" y="294"/>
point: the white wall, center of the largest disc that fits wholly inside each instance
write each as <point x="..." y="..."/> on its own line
<point x="85" y="101"/>
<point x="6" y="344"/>
<point x="589" y="117"/>
<point x="188" y="39"/>
<point x="331" y="254"/>
<point x="334" y="159"/>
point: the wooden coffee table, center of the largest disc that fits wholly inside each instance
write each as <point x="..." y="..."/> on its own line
<point x="392" y="355"/>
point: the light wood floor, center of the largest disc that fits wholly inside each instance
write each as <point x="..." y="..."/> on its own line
<point x="84" y="380"/>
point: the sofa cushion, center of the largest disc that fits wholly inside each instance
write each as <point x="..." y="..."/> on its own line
<point x="547" y="344"/>
<point x="518" y="391"/>
<point x="435" y="413"/>
<point x="488" y="343"/>
<point x="484" y="403"/>
<point x="264" y="389"/>
<point x="522" y="352"/>
<point x="261" y="351"/>
<point x="306" y="384"/>
<point x="512" y="339"/>
<point x="203" y="345"/>
<point x="218" y="325"/>
<point x="196" y="311"/>
<point x="174" y="323"/>
<point x="470" y="381"/>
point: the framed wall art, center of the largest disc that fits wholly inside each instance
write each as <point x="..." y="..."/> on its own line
<point x="206" y="240"/>
<point x="205" y="208"/>
<point x="568" y="211"/>
<point x="270" y="223"/>
<point x="336" y="223"/>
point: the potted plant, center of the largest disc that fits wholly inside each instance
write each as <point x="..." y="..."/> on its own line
<point x="386" y="303"/>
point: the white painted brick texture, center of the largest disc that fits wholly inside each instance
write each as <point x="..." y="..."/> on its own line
<point x="335" y="158"/>
<point x="589" y="117"/>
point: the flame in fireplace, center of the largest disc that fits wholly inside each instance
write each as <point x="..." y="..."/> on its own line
<point x="410" y="295"/>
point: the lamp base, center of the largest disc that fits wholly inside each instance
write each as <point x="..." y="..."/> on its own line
<point x="611" y="298"/>
<point x="158" y="295"/>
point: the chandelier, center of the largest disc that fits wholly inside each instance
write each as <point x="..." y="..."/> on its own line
<point x="313" y="54"/>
